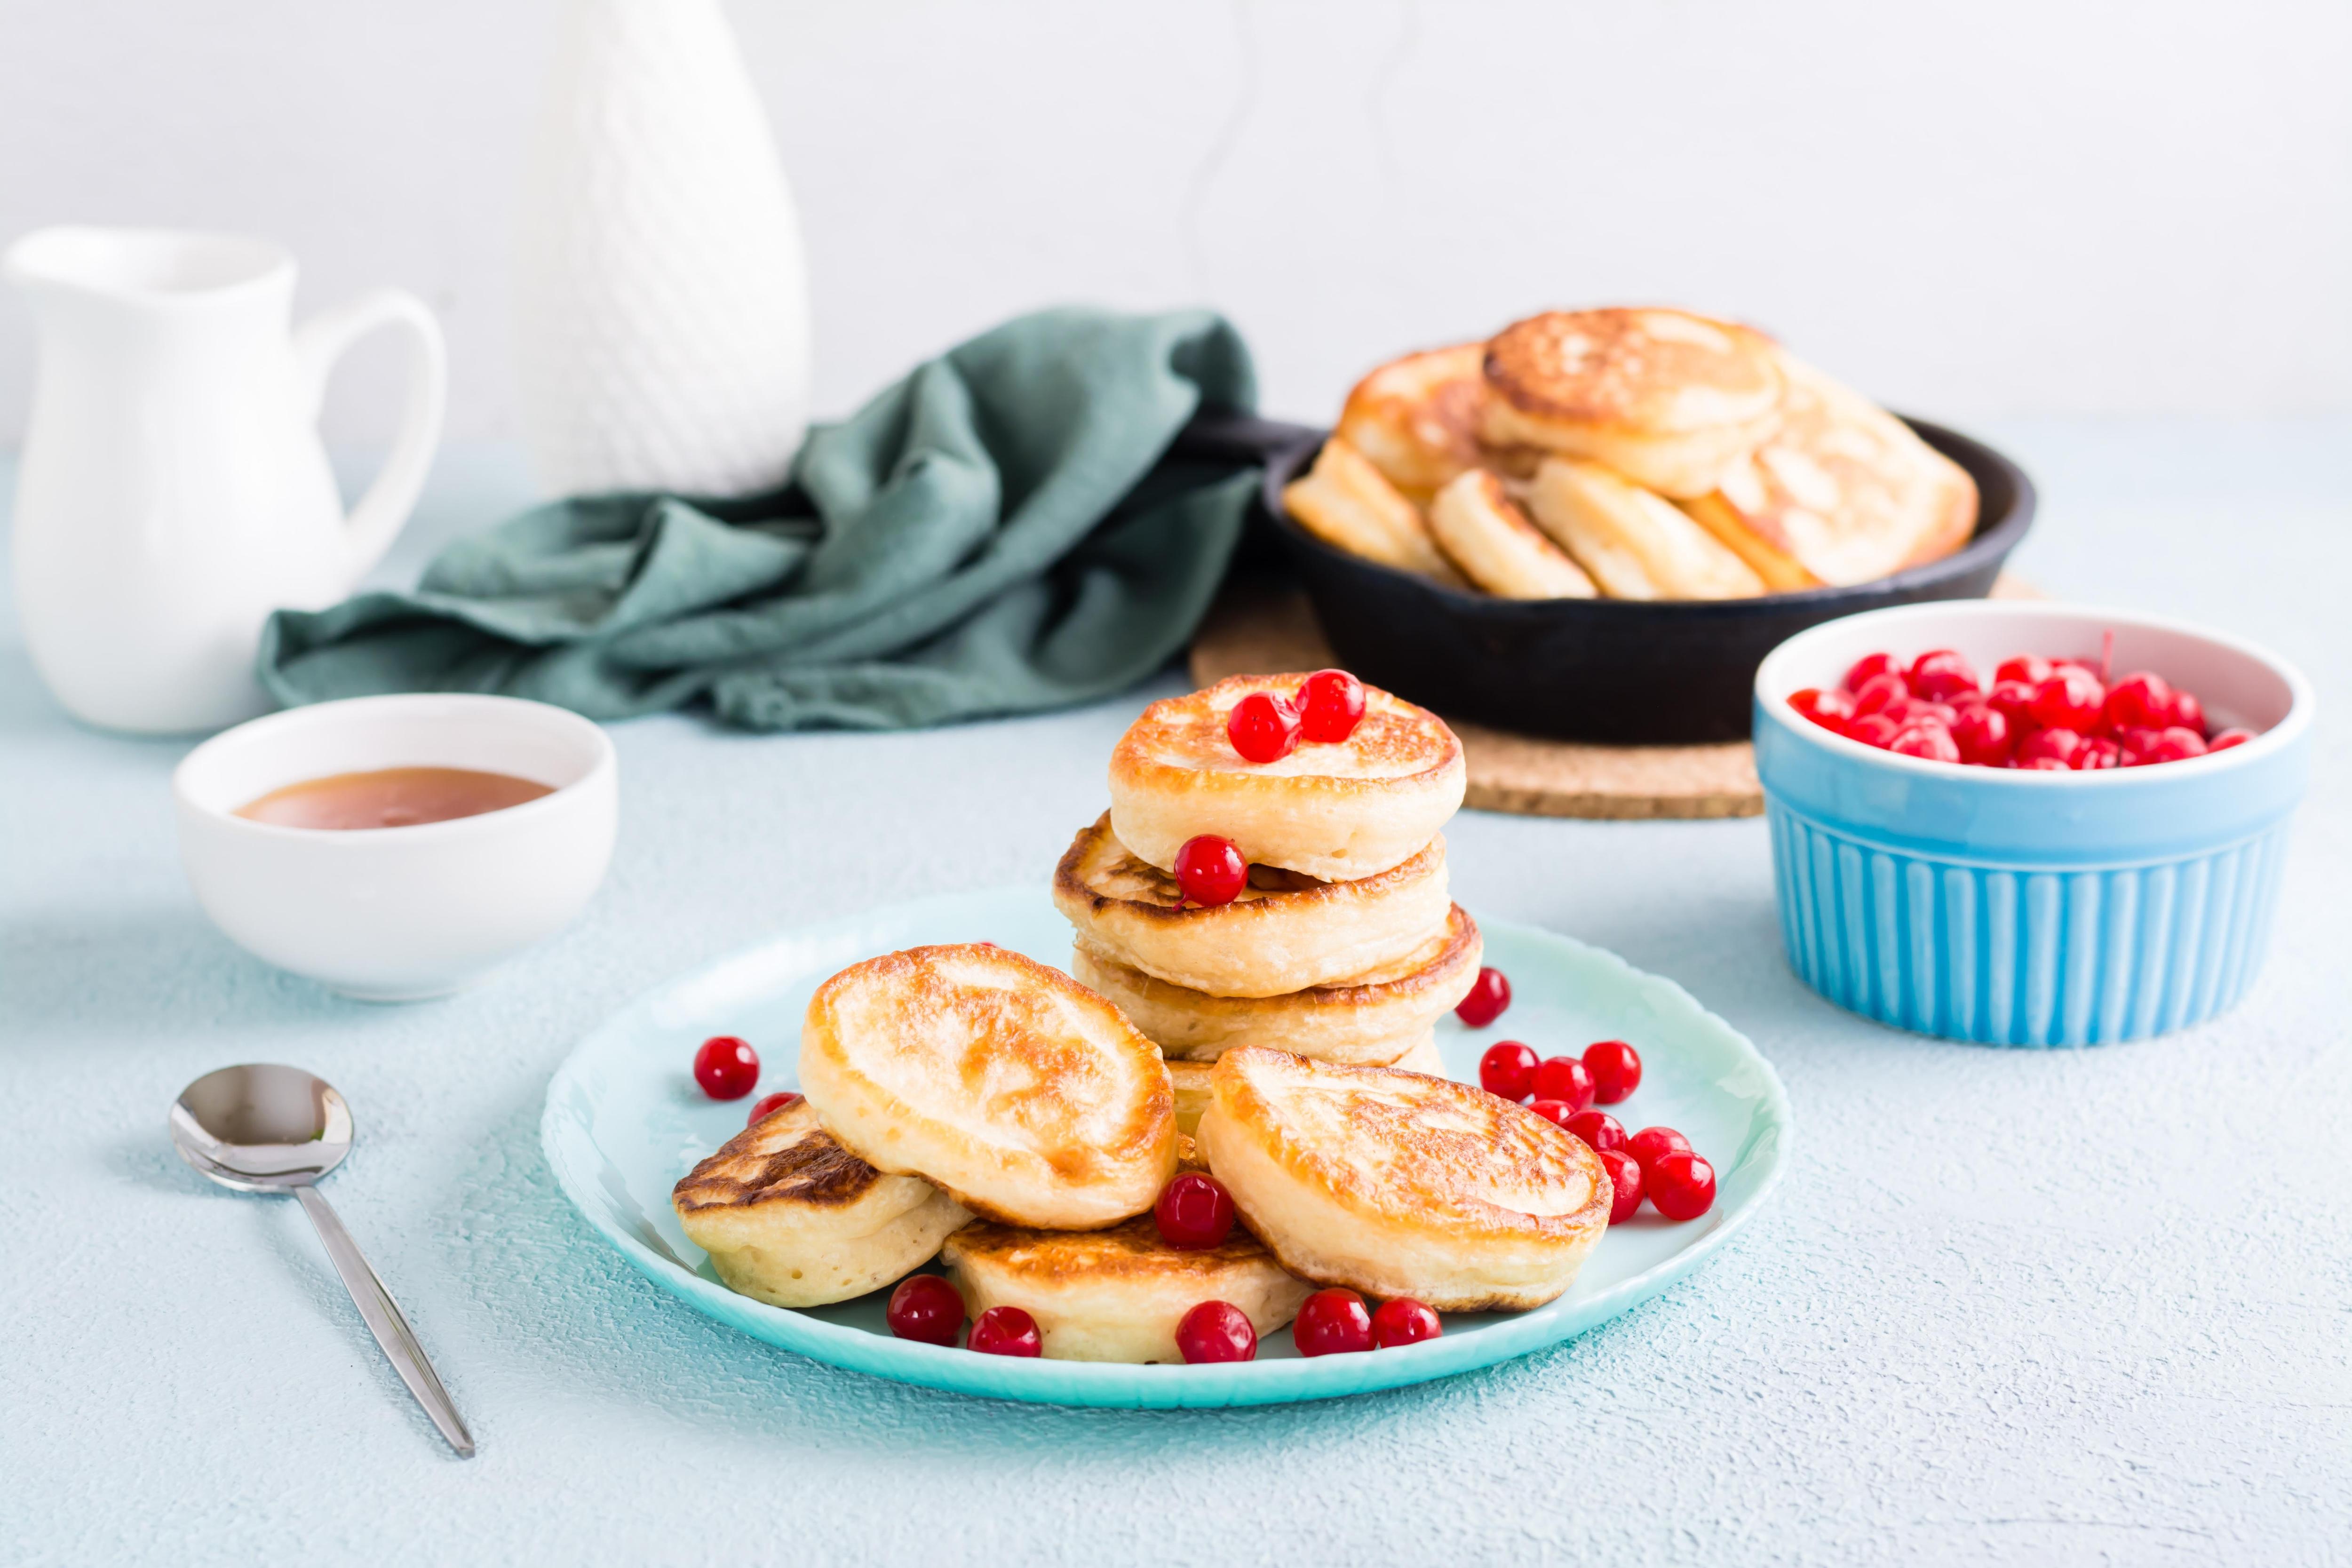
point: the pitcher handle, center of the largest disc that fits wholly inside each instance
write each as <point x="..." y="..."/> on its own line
<point x="318" y="342"/>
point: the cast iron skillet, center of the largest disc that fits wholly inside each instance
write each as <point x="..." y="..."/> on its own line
<point x="1620" y="670"/>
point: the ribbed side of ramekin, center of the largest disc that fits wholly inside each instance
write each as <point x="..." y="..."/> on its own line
<point x="2024" y="955"/>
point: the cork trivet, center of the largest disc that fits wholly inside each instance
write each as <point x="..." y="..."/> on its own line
<point x="1257" y="626"/>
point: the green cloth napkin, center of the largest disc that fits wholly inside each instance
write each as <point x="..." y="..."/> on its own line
<point x="994" y="535"/>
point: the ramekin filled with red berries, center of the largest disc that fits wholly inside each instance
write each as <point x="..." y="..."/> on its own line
<point x="2028" y="824"/>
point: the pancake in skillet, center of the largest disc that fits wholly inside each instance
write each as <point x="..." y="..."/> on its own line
<point x="1418" y="419"/>
<point x="791" y="1218"/>
<point x="1348" y="504"/>
<point x="1023" y="1095"/>
<point x="1483" y="532"/>
<point x="1116" y="1294"/>
<point x="1636" y="544"/>
<point x="1337" y="812"/>
<point x="1284" y="932"/>
<point x="1396" y="1183"/>
<point x="1843" y="493"/>
<point x="1669" y="399"/>
<point x="1368" y="1020"/>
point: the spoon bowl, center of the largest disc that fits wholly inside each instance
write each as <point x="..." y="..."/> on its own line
<point x="262" y="1128"/>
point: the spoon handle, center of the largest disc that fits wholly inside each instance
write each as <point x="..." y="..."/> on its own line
<point x="383" y="1319"/>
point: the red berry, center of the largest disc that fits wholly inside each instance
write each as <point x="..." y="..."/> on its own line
<point x="767" y="1105"/>
<point x="1403" y="1321"/>
<point x="1652" y="1145"/>
<point x="2177" y="745"/>
<point x="1600" y="1130"/>
<point x="2048" y="745"/>
<point x="1983" y="734"/>
<point x="1870" y="666"/>
<point x="1926" y="739"/>
<point x="2040" y="765"/>
<point x="1567" y="1079"/>
<point x="2070" y="699"/>
<point x="1616" y="1069"/>
<point x="1556" y="1111"/>
<point x="2226" y="739"/>
<point x="1215" y="1331"/>
<point x="2013" y="700"/>
<point x="1682" y="1185"/>
<point x="1209" y="871"/>
<point x="2188" y="713"/>
<point x="2137" y="701"/>
<point x="1489" y="994"/>
<point x="2030" y="668"/>
<point x="726" y="1068"/>
<point x="2136" y="744"/>
<point x="2097" y="752"/>
<point x="1625" y="1184"/>
<point x="924" y="1307"/>
<point x="1263" y="728"/>
<point x="1332" y="1322"/>
<point x="1830" y="709"/>
<point x="1943" y="674"/>
<point x="1330" y="704"/>
<point x="1509" y="1069"/>
<point x="1872" y="729"/>
<point x="1194" y="1211"/>
<point x="1005" y="1330"/>
<point x="1879" y="692"/>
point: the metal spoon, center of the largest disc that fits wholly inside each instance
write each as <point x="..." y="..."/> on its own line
<point x="267" y="1129"/>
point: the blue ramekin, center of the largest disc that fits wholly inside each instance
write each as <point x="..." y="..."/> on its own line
<point x="2030" y="909"/>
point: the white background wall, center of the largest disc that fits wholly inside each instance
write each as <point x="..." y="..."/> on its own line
<point x="1976" y="210"/>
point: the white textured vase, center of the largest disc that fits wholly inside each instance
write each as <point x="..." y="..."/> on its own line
<point x="662" y="304"/>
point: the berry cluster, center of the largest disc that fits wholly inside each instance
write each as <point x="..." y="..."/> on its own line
<point x="2039" y="714"/>
<point x="1656" y="1163"/>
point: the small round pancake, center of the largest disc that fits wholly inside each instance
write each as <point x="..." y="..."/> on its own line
<point x="1348" y="504"/>
<point x="1637" y="544"/>
<point x="1669" y="399"/>
<point x="1116" y="1294"/>
<point x="1338" y="812"/>
<point x="791" y="1218"/>
<point x="1193" y="1083"/>
<point x="1417" y="418"/>
<point x="1843" y="493"/>
<point x="1397" y="1184"/>
<point x="1368" y="1022"/>
<point x="1284" y="932"/>
<point x="1482" y="531"/>
<point x="1025" y="1095"/>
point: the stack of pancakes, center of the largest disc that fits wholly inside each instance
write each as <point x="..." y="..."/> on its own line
<point x="1634" y="454"/>
<point x="966" y="1102"/>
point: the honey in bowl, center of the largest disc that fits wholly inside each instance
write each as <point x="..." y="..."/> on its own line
<point x="391" y="797"/>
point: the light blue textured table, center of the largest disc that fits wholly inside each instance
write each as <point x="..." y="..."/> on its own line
<point x="2009" y="1307"/>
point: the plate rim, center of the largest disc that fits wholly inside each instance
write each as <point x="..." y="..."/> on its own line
<point x="1117" y="1384"/>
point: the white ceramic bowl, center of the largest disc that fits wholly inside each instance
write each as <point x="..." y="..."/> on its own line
<point x="396" y="914"/>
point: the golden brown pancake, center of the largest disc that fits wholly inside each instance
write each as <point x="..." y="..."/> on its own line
<point x="1636" y="544"/>
<point x="1116" y="1294"/>
<point x="1417" y="419"/>
<point x="1669" y="399"/>
<point x="1843" y="493"/>
<point x="1348" y="504"/>
<point x="1369" y="1021"/>
<point x="1337" y="812"/>
<point x="1483" y="532"/>
<point x="791" y="1218"/>
<point x="1396" y="1183"/>
<point x="1284" y="932"/>
<point x="1023" y="1094"/>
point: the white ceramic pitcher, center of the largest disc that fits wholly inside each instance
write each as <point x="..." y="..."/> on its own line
<point x="172" y="489"/>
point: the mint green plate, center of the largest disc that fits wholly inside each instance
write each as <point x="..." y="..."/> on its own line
<point x="624" y="1121"/>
